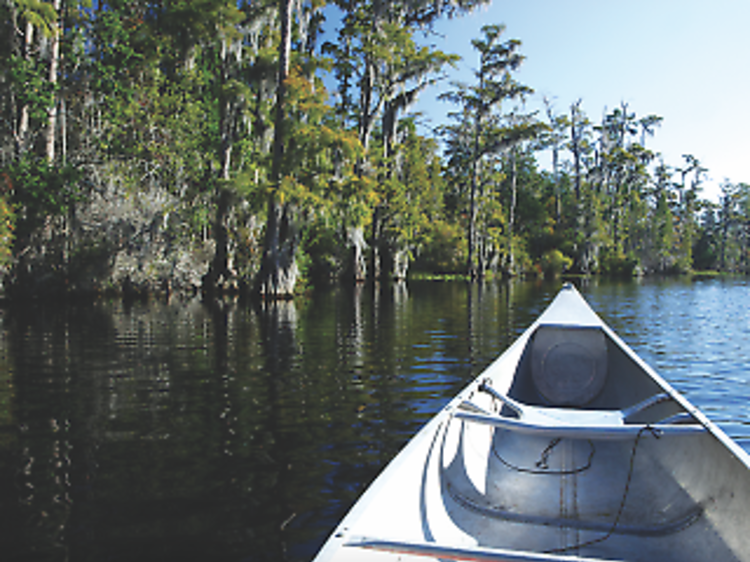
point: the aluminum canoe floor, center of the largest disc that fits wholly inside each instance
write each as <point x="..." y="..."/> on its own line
<point x="568" y="447"/>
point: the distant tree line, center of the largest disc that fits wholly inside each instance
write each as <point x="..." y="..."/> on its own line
<point x="268" y="145"/>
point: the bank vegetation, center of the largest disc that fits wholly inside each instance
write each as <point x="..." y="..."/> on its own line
<point x="207" y="145"/>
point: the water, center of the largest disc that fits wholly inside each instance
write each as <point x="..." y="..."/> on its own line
<point x="232" y="433"/>
<point x="696" y="334"/>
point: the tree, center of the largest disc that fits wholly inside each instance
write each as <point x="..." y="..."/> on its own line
<point x="620" y="178"/>
<point x="380" y="64"/>
<point x="586" y="232"/>
<point x="494" y="85"/>
<point x="662" y="235"/>
<point x="688" y="204"/>
<point x="231" y="98"/>
<point x="519" y="129"/>
<point x="278" y="273"/>
<point x="204" y="127"/>
<point x="31" y="89"/>
<point x="744" y="224"/>
<point x="553" y="140"/>
<point x="312" y="165"/>
<point x="648" y="126"/>
<point x="580" y="129"/>
<point x="728" y="219"/>
<point x="36" y="190"/>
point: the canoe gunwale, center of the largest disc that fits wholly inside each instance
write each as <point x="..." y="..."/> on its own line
<point x="471" y="554"/>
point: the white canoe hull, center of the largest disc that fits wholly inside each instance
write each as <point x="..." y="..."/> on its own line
<point x="621" y="468"/>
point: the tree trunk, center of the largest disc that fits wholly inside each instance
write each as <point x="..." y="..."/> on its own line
<point x="278" y="273"/>
<point x="555" y="159"/>
<point x="376" y="260"/>
<point x="366" y="119"/>
<point x="63" y="131"/>
<point x="556" y="179"/>
<point x="395" y="263"/>
<point x="575" y="136"/>
<point x="471" y="265"/>
<point x="473" y="271"/>
<point x="512" y="210"/>
<point x="53" y="71"/>
<point x="23" y="122"/>
<point x="356" y="269"/>
<point x="365" y="116"/>
<point x="219" y="272"/>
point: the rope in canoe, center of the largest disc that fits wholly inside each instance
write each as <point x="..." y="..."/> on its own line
<point x="542" y="465"/>
<point x="620" y="510"/>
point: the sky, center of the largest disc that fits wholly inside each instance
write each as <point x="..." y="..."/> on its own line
<point x="687" y="61"/>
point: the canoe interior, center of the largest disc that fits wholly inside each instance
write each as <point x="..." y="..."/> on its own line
<point x="652" y="497"/>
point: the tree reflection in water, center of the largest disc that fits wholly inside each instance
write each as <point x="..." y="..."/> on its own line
<point x="225" y="430"/>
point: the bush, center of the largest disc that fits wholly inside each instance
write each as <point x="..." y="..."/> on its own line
<point x="443" y="249"/>
<point x="38" y="191"/>
<point x="617" y="264"/>
<point x="320" y="254"/>
<point x="7" y="227"/>
<point x="554" y="263"/>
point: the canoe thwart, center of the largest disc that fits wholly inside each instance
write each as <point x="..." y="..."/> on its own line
<point x="557" y="428"/>
<point x="574" y="423"/>
<point x="645" y="405"/>
<point x="514" y="405"/>
<point x="468" y="553"/>
<point x="680" y="418"/>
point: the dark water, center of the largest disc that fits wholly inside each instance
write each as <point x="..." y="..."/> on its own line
<point x="183" y="431"/>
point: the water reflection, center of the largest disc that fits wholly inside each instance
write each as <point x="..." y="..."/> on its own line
<point x="231" y="431"/>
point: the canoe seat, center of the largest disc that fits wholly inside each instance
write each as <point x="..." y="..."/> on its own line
<point x="568" y="365"/>
<point x="573" y="423"/>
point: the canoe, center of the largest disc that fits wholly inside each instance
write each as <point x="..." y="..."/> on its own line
<point x="567" y="447"/>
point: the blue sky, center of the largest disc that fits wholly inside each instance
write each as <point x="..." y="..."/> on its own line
<point x="687" y="61"/>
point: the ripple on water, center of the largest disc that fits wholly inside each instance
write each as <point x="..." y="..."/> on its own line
<point x="697" y="336"/>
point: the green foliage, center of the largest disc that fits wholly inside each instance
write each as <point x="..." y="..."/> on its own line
<point x="707" y="252"/>
<point x="7" y="223"/>
<point x="523" y="262"/>
<point x="617" y="264"/>
<point x="321" y="253"/>
<point x="408" y="194"/>
<point x="40" y="14"/>
<point x="181" y="96"/>
<point x="443" y="249"/>
<point x="33" y="90"/>
<point x="315" y="147"/>
<point x="38" y="190"/>
<point x="479" y="143"/>
<point x="118" y="57"/>
<point x="554" y="263"/>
